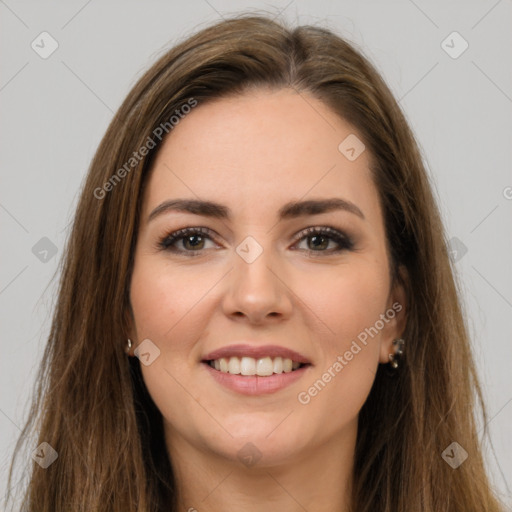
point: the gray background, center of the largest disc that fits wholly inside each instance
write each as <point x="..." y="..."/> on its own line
<point x="54" y="111"/>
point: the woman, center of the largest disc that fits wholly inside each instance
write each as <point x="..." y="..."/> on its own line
<point x="257" y="309"/>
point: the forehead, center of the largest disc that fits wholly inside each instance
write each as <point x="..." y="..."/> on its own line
<point x="256" y="151"/>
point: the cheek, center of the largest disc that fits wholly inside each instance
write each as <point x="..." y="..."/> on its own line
<point x="167" y="311"/>
<point x="348" y="305"/>
<point x="164" y="298"/>
<point x="345" y="301"/>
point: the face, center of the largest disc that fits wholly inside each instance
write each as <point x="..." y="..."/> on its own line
<point x="258" y="279"/>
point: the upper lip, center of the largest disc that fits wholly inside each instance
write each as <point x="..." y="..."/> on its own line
<point x="257" y="352"/>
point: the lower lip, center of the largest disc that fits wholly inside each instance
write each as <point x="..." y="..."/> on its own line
<point x="255" y="385"/>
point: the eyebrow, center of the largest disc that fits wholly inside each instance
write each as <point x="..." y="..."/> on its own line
<point x="288" y="211"/>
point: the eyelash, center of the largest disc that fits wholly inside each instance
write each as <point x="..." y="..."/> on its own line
<point x="344" y="241"/>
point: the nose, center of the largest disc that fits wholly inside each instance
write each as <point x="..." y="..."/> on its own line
<point x="257" y="290"/>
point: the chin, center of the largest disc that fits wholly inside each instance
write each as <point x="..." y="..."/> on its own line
<point x="260" y="443"/>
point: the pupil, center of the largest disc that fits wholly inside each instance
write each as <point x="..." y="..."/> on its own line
<point x="193" y="237"/>
<point x="317" y="237"/>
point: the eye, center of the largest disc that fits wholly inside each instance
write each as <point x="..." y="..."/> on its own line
<point x="322" y="236"/>
<point x="192" y="240"/>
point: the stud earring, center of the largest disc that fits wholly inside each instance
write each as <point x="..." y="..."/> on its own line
<point x="128" y="346"/>
<point x="397" y="357"/>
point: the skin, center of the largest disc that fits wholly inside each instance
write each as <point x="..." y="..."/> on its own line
<point x="254" y="153"/>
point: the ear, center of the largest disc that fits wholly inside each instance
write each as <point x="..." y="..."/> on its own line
<point x="395" y="316"/>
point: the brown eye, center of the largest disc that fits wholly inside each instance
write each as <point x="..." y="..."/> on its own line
<point x="191" y="241"/>
<point x="196" y="241"/>
<point x="319" y="238"/>
<point x="188" y="240"/>
<point x="319" y="241"/>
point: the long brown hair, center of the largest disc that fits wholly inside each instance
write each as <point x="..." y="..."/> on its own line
<point x="90" y="403"/>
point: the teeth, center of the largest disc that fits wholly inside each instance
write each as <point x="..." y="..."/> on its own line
<point x="262" y="367"/>
<point x="234" y="365"/>
<point x="247" y="365"/>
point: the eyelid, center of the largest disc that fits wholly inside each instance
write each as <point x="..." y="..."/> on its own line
<point x="339" y="236"/>
<point x="344" y="241"/>
<point x="179" y="234"/>
<point x="321" y="229"/>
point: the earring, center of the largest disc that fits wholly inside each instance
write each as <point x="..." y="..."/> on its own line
<point x="395" y="358"/>
<point x="128" y="346"/>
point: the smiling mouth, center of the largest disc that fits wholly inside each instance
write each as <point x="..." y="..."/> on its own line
<point x="249" y="366"/>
